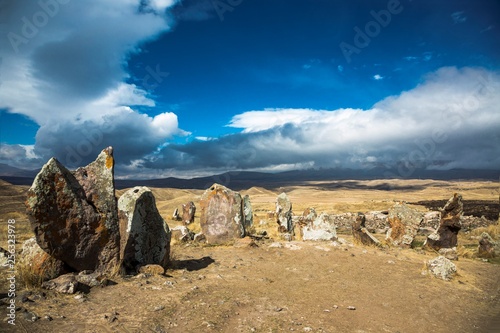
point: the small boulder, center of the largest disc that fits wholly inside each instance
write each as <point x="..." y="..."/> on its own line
<point x="145" y="236"/>
<point x="64" y="284"/>
<point x="188" y="212"/>
<point x="199" y="238"/>
<point x="152" y="270"/>
<point x="222" y="217"/>
<point x="442" y="268"/>
<point x="182" y="234"/>
<point x="360" y="234"/>
<point x="308" y="216"/>
<point x="321" y="229"/>
<point x="404" y="223"/>
<point x="487" y="248"/>
<point x="449" y="226"/>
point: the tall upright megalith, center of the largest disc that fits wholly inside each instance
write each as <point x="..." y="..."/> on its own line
<point x="74" y="214"/>
<point x="222" y="217"/>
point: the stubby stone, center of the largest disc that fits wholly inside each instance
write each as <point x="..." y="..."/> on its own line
<point x="449" y="226"/>
<point x="65" y="284"/>
<point x="487" y="248"/>
<point x="199" y="238"/>
<point x="308" y="216"/>
<point x="74" y="215"/>
<point x="221" y="217"/>
<point x="284" y="213"/>
<point x="145" y="237"/>
<point x="176" y="216"/>
<point x="321" y="228"/>
<point x="442" y="268"/>
<point x="247" y="212"/>
<point x="182" y="234"/>
<point x="361" y="234"/>
<point x="404" y="223"/>
<point x="40" y="262"/>
<point x="188" y="211"/>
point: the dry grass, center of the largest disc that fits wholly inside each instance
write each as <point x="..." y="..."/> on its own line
<point x="493" y="230"/>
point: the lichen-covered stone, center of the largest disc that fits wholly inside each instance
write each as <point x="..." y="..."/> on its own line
<point x="247" y="212"/>
<point x="188" y="212"/>
<point x="442" y="268"/>
<point x="40" y="263"/>
<point x="222" y="217"/>
<point x="74" y="216"/>
<point x="321" y="229"/>
<point x="487" y="248"/>
<point x="404" y="223"/>
<point x="284" y="213"/>
<point x="145" y="236"/>
<point x="449" y="226"/>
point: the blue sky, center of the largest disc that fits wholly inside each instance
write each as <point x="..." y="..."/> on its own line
<point x="188" y="88"/>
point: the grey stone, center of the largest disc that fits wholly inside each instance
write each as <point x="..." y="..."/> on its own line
<point x="404" y="224"/>
<point x="442" y="268"/>
<point x="284" y="213"/>
<point x="188" y="212"/>
<point x="145" y="236"/>
<point x="361" y="234"/>
<point x="321" y="229"/>
<point x="446" y="235"/>
<point x="65" y="284"/>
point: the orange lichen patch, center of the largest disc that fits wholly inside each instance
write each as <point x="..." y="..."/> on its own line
<point x="109" y="161"/>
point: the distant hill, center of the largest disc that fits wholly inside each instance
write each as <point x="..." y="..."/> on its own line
<point x="248" y="179"/>
<point x="10" y="171"/>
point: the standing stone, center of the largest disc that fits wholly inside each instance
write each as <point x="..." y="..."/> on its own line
<point x="188" y="211"/>
<point x="176" y="216"/>
<point x="74" y="215"/>
<point x="247" y="212"/>
<point x="284" y="214"/>
<point x="145" y="236"/>
<point x="361" y="234"/>
<point x="487" y="248"/>
<point x="449" y="226"/>
<point x="322" y="228"/>
<point x="222" y="217"/>
<point x="404" y="223"/>
<point x="308" y="216"/>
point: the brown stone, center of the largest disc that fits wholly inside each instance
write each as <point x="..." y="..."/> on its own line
<point x="74" y="215"/>
<point x="404" y="223"/>
<point x="487" y="248"/>
<point x="221" y="218"/>
<point x="449" y="226"/>
<point x="152" y="269"/>
<point x="360" y="234"/>
<point x="188" y="211"/>
<point x="145" y="236"/>
<point x="65" y="284"/>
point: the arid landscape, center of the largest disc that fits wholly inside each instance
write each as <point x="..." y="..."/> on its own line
<point x="272" y="285"/>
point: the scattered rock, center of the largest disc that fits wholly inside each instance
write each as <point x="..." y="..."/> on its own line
<point x="152" y="270"/>
<point x="176" y="216"/>
<point x="361" y="234"/>
<point x="65" y="284"/>
<point x="30" y="316"/>
<point x="350" y="307"/>
<point x="182" y="234"/>
<point x="284" y="213"/>
<point x="377" y="221"/>
<point x="145" y="236"/>
<point x="222" y="217"/>
<point x="188" y="211"/>
<point x="74" y="215"/>
<point x="431" y="220"/>
<point x="450" y="225"/>
<point x="404" y="223"/>
<point x="245" y="242"/>
<point x="442" y="268"/>
<point x="199" y="238"/>
<point x="322" y="229"/>
<point x="487" y="248"/>
<point x="450" y="254"/>
<point x="308" y="216"/>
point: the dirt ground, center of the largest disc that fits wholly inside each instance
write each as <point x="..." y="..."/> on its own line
<point x="281" y="286"/>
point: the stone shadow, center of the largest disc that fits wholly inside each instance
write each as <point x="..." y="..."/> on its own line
<point x="192" y="264"/>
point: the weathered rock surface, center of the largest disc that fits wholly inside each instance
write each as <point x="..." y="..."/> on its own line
<point x="65" y="284"/>
<point x="361" y="234"/>
<point x="284" y="213"/>
<point x="152" y="269"/>
<point x="487" y="248"/>
<point x="442" y="268"/>
<point x="74" y="215"/>
<point x="431" y="220"/>
<point x="40" y="262"/>
<point x="247" y="212"/>
<point x="404" y="223"/>
<point x="188" y="211"/>
<point x="377" y="221"/>
<point x="449" y="226"/>
<point x="182" y="234"/>
<point x="176" y="216"/>
<point x="321" y="229"/>
<point x="145" y="237"/>
<point x="222" y="218"/>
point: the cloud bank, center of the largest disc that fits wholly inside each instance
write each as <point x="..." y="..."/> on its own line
<point x="450" y="120"/>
